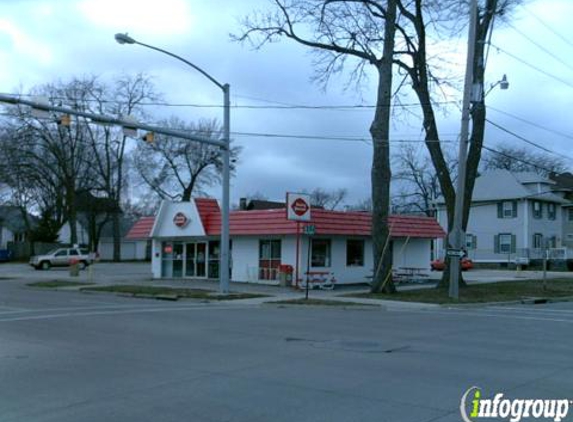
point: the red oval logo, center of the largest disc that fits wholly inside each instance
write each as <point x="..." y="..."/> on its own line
<point x="180" y="220"/>
<point x="299" y="207"/>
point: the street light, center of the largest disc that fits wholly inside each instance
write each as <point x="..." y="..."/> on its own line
<point x="226" y="151"/>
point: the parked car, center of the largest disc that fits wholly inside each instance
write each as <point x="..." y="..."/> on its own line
<point x="438" y="264"/>
<point x="61" y="257"/>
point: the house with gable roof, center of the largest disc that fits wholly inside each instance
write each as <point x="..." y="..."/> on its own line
<point x="513" y="218"/>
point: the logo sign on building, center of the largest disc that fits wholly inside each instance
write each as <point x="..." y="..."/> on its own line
<point x="180" y="220"/>
<point x="298" y="206"/>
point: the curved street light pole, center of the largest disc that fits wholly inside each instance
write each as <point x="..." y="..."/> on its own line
<point x="224" y="270"/>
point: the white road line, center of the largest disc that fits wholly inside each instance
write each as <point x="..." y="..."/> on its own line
<point x="488" y="315"/>
<point x="556" y="311"/>
<point x="115" y="312"/>
<point x="69" y="308"/>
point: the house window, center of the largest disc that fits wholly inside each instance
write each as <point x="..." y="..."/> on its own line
<point x="537" y="209"/>
<point x="505" y="243"/>
<point x="537" y="240"/>
<point x="551" y="211"/>
<point x="355" y="253"/>
<point x="570" y="214"/>
<point x="320" y="255"/>
<point x="269" y="259"/>
<point x="471" y="241"/>
<point x="507" y="209"/>
<point x="569" y="237"/>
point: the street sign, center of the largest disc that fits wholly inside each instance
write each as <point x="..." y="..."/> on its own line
<point x="455" y="252"/>
<point x="298" y="206"/>
<point x="309" y="229"/>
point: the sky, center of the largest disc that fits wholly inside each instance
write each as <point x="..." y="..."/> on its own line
<point x="45" y="40"/>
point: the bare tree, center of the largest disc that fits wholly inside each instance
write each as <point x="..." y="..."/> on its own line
<point x="359" y="33"/>
<point x="415" y="61"/>
<point x="329" y="200"/>
<point x="523" y="159"/>
<point x="122" y="97"/>
<point x="419" y="184"/>
<point x="177" y="168"/>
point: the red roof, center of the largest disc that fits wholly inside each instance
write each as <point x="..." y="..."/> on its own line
<point x="274" y="222"/>
<point x="141" y="229"/>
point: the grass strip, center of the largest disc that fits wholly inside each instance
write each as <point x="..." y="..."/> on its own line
<point x="180" y="292"/>
<point x="482" y="293"/>
<point x="58" y="283"/>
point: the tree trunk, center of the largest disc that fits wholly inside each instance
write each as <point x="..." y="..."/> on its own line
<point x="116" y="236"/>
<point x="381" y="174"/>
<point x="72" y="214"/>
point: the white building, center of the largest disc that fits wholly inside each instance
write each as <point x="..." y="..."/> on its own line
<point x="185" y="243"/>
<point x="513" y="218"/>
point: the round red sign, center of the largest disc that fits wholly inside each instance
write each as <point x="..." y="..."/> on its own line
<point x="300" y="207"/>
<point x="180" y="220"/>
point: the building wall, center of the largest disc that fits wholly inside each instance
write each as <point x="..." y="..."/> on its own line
<point x="485" y="224"/>
<point x="65" y="234"/>
<point x="131" y="250"/>
<point x="245" y="257"/>
<point x="413" y="252"/>
<point x="5" y="237"/>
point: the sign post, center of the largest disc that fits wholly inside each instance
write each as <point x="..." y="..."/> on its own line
<point x="298" y="209"/>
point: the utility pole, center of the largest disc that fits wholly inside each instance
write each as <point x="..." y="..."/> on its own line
<point x="456" y="237"/>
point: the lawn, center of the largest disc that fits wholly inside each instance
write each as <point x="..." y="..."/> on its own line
<point x="482" y="293"/>
<point x="170" y="292"/>
<point x="58" y="283"/>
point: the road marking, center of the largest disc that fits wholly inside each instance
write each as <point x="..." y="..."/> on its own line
<point x="116" y="312"/>
<point x="472" y="313"/>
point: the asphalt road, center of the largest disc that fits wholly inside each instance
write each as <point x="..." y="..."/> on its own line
<point x="73" y="357"/>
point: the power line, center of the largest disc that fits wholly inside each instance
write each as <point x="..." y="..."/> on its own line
<point x="281" y="106"/>
<point x="521" y="119"/>
<point x="547" y="26"/>
<point x="535" y="43"/>
<point x="525" y="139"/>
<point x="513" y="56"/>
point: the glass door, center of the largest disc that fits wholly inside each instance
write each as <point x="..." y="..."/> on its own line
<point x="190" y="260"/>
<point x="177" y="259"/>
<point x="201" y="260"/>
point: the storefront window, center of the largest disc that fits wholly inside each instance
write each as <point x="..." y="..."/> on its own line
<point x="214" y="256"/>
<point x="320" y="256"/>
<point x="269" y="259"/>
<point x="354" y="253"/>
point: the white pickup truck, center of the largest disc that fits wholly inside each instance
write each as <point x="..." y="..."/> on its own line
<point x="61" y="257"/>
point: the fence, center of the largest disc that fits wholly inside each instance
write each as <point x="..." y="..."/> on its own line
<point x="24" y="250"/>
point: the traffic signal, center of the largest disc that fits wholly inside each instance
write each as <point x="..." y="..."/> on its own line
<point x="65" y="120"/>
<point x="148" y="137"/>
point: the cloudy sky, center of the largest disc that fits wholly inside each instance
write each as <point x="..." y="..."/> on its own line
<point x="42" y="40"/>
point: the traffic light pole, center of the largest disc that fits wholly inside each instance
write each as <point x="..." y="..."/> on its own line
<point x="103" y="119"/>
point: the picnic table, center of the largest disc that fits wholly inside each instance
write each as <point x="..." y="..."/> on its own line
<point x="322" y="279"/>
<point x="410" y="274"/>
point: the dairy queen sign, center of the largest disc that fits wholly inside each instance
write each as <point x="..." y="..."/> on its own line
<point x="180" y="220"/>
<point x="298" y="206"/>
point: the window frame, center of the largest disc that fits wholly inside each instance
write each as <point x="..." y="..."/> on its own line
<point x="327" y="262"/>
<point x="505" y="210"/>
<point x="537" y="214"/>
<point x="501" y="244"/>
<point x="357" y="262"/>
